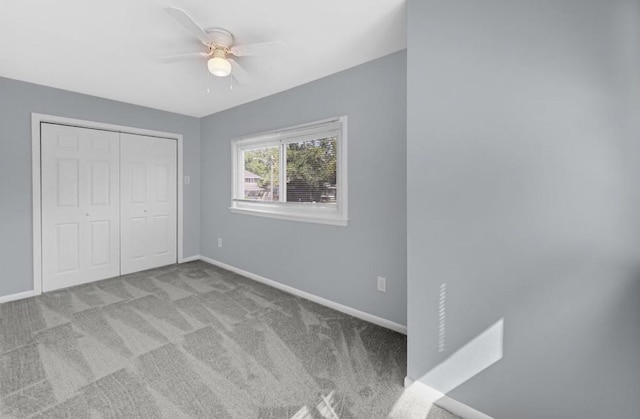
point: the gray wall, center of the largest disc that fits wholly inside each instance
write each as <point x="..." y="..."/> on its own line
<point x="17" y="101"/>
<point x="523" y="197"/>
<point x="337" y="263"/>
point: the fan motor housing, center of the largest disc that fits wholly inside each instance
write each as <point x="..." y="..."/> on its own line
<point x="220" y="37"/>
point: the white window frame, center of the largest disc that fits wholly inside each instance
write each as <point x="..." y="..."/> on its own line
<point x="322" y="213"/>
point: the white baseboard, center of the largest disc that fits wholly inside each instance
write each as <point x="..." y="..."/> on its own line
<point x="408" y="381"/>
<point x="446" y="402"/>
<point x="18" y="296"/>
<point x="311" y="297"/>
<point x="191" y="259"/>
<point x="461" y="409"/>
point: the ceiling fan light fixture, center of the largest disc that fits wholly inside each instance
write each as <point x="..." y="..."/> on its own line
<point x="219" y="66"/>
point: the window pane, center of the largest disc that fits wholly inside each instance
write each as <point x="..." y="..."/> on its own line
<point x="311" y="171"/>
<point x="262" y="174"/>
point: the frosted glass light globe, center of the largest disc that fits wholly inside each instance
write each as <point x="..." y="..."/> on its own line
<point x="219" y="66"/>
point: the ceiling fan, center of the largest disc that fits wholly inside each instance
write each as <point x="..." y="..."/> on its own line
<point x="221" y="46"/>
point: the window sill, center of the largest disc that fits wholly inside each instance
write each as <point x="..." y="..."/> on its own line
<point x="317" y="219"/>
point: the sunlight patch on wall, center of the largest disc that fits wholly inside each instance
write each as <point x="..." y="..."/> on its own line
<point x="442" y="321"/>
<point x="478" y="354"/>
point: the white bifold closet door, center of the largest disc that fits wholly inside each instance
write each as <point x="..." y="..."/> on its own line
<point x="80" y="205"/>
<point x="148" y="199"/>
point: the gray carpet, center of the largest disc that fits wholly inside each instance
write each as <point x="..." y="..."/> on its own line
<point x="192" y="341"/>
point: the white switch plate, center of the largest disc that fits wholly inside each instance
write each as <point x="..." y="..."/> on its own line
<point x="187" y="180"/>
<point x="382" y="284"/>
<point x="219" y="241"/>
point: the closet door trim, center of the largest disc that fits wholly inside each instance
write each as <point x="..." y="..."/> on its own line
<point x="37" y="120"/>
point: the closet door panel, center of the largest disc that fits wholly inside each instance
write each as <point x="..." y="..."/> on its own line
<point x="148" y="202"/>
<point x="80" y="205"/>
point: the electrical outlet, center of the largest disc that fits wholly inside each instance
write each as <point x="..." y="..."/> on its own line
<point x="382" y="284"/>
<point x="219" y="241"/>
<point x="187" y="180"/>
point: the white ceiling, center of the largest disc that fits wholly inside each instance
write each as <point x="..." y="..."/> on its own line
<point x="109" y="48"/>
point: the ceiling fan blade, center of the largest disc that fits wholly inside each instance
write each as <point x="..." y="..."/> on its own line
<point x="261" y="48"/>
<point x="238" y="72"/>
<point x="182" y="57"/>
<point x="189" y="24"/>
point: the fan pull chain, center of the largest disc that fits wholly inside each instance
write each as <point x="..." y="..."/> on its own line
<point x="230" y="82"/>
<point x="208" y="82"/>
